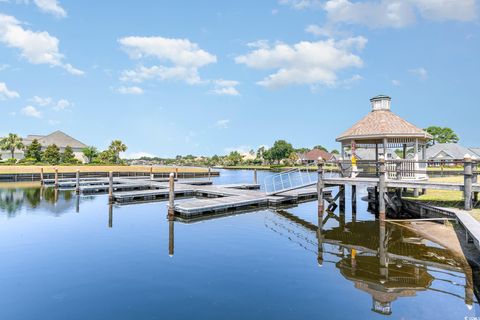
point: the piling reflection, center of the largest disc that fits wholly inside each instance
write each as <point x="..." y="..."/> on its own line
<point x="386" y="261"/>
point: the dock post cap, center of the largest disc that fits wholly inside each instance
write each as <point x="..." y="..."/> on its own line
<point x="381" y="159"/>
<point x="467" y="157"/>
<point x="320" y="159"/>
<point x="171" y="175"/>
<point x="78" y="170"/>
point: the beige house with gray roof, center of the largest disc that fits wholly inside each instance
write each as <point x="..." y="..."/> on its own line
<point x="59" y="138"/>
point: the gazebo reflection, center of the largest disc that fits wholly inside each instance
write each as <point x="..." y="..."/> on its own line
<point x="368" y="275"/>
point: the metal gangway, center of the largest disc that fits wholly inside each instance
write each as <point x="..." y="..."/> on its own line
<point x="292" y="179"/>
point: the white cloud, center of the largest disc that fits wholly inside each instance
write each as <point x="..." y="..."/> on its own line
<point x="180" y="59"/>
<point x="396" y="82"/>
<point x="5" y="93"/>
<point x="225" y="87"/>
<point x="52" y="7"/>
<point x="35" y="47"/>
<point x="397" y="13"/>
<point x="301" y="4"/>
<point x="62" y="104"/>
<point x="305" y="62"/>
<point x="130" y="90"/>
<point x="41" y="101"/>
<point x="137" y="155"/>
<point x="31" y="111"/>
<point x="222" y="124"/>
<point x="142" y="73"/>
<point x="420" y="72"/>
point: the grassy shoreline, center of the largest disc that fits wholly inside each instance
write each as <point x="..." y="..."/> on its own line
<point x="446" y="198"/>
<point x="96" y="168"/>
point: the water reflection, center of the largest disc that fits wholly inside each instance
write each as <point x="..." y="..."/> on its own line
<point x="56" y="202"/>
<point x="386" y="261"/>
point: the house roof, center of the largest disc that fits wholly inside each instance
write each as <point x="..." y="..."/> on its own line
<point x="314" y="154"/>
<point x="58" y="138"/>
<point x="383" y="123"/>
<point x="450" y="151"/>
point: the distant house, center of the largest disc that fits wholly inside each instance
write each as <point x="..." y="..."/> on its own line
<point x="59" y="138"/>
<point x="369" y="154"/>
<point x="450" y="153"/>
<point x="313" y="155"/>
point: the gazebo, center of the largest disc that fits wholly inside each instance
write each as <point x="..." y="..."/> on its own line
<point x="382" y="133"/>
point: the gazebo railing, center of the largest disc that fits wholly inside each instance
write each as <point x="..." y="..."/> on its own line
<point x="396" y="169"/>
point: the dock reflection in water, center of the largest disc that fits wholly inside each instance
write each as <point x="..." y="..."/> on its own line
<point x="378" y="257"/>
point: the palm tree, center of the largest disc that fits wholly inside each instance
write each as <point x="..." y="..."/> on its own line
<point x="90" y="153"/>
<point x="12" y="142"/>
<point x="116" y="147"/>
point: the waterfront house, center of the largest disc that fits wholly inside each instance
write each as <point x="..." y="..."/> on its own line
<point x="59" y="138"/>
<point x="313" y="155"/>
<point x="449" y="153"/>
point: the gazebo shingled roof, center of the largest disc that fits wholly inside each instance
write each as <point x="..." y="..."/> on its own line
<point x="382" y="123"/>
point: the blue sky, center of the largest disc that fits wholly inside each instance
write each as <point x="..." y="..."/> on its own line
<point x="207" y="77"/>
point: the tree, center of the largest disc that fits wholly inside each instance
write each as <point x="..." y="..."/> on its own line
<point x="106" y="156"/>
<point x="90" y="153"/>
<point x="68" y="156"/>
<point x="442" y="135"/>
<point x="52" y="154"/>
<point x="335" y="151"/>
<point x="260" y="152"/>
<point x="12" y="142"/>
<point x="281" y="150"/>
<point x="320" y="148"/>
<point x="34" y="151"/>
<point x="116" y="147"/>
<point x="234" y="158"/>
<point x="293" y="158"/>
<point x="302" y="150"/>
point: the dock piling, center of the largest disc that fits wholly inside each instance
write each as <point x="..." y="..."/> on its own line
<point x="77" y="183"/>
<point x="171" y="195"/>
<point x="468" y="179"/>
<point x="354" y="200"/>
<point x="381" y="189"/>
<point x="209" y="173"/>
<point x="255" y="176"/>
<point x="56" y="178"/>
<point x="151" y="173"/>
<point x="110" y="186"/>
<point x="41" y="176"/>
<point x="320" y="186"/>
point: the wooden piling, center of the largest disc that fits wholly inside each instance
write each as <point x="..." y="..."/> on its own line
<point x="255" y="181"/>
<point x="56" y="178"/>
<point x="176" y="173"/>
<point x="354" y="201"/>
<point x="77" y="184"/>
<point x="468" y="179"/>
<point x="110" y="186"/>
<point x="151" y="173"/>
<point x="209" y="173"/>
<point x="41" y="176"/>
<point x="320" y="187"/>
<point x="171" y="196"/>
<point x="341" y="200"/>
<point x="381" y="189"/>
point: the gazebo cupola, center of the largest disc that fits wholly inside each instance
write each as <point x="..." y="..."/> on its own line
<point x="381" y="133"/>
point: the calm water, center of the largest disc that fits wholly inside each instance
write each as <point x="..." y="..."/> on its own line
<point x="69" y="257"/>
